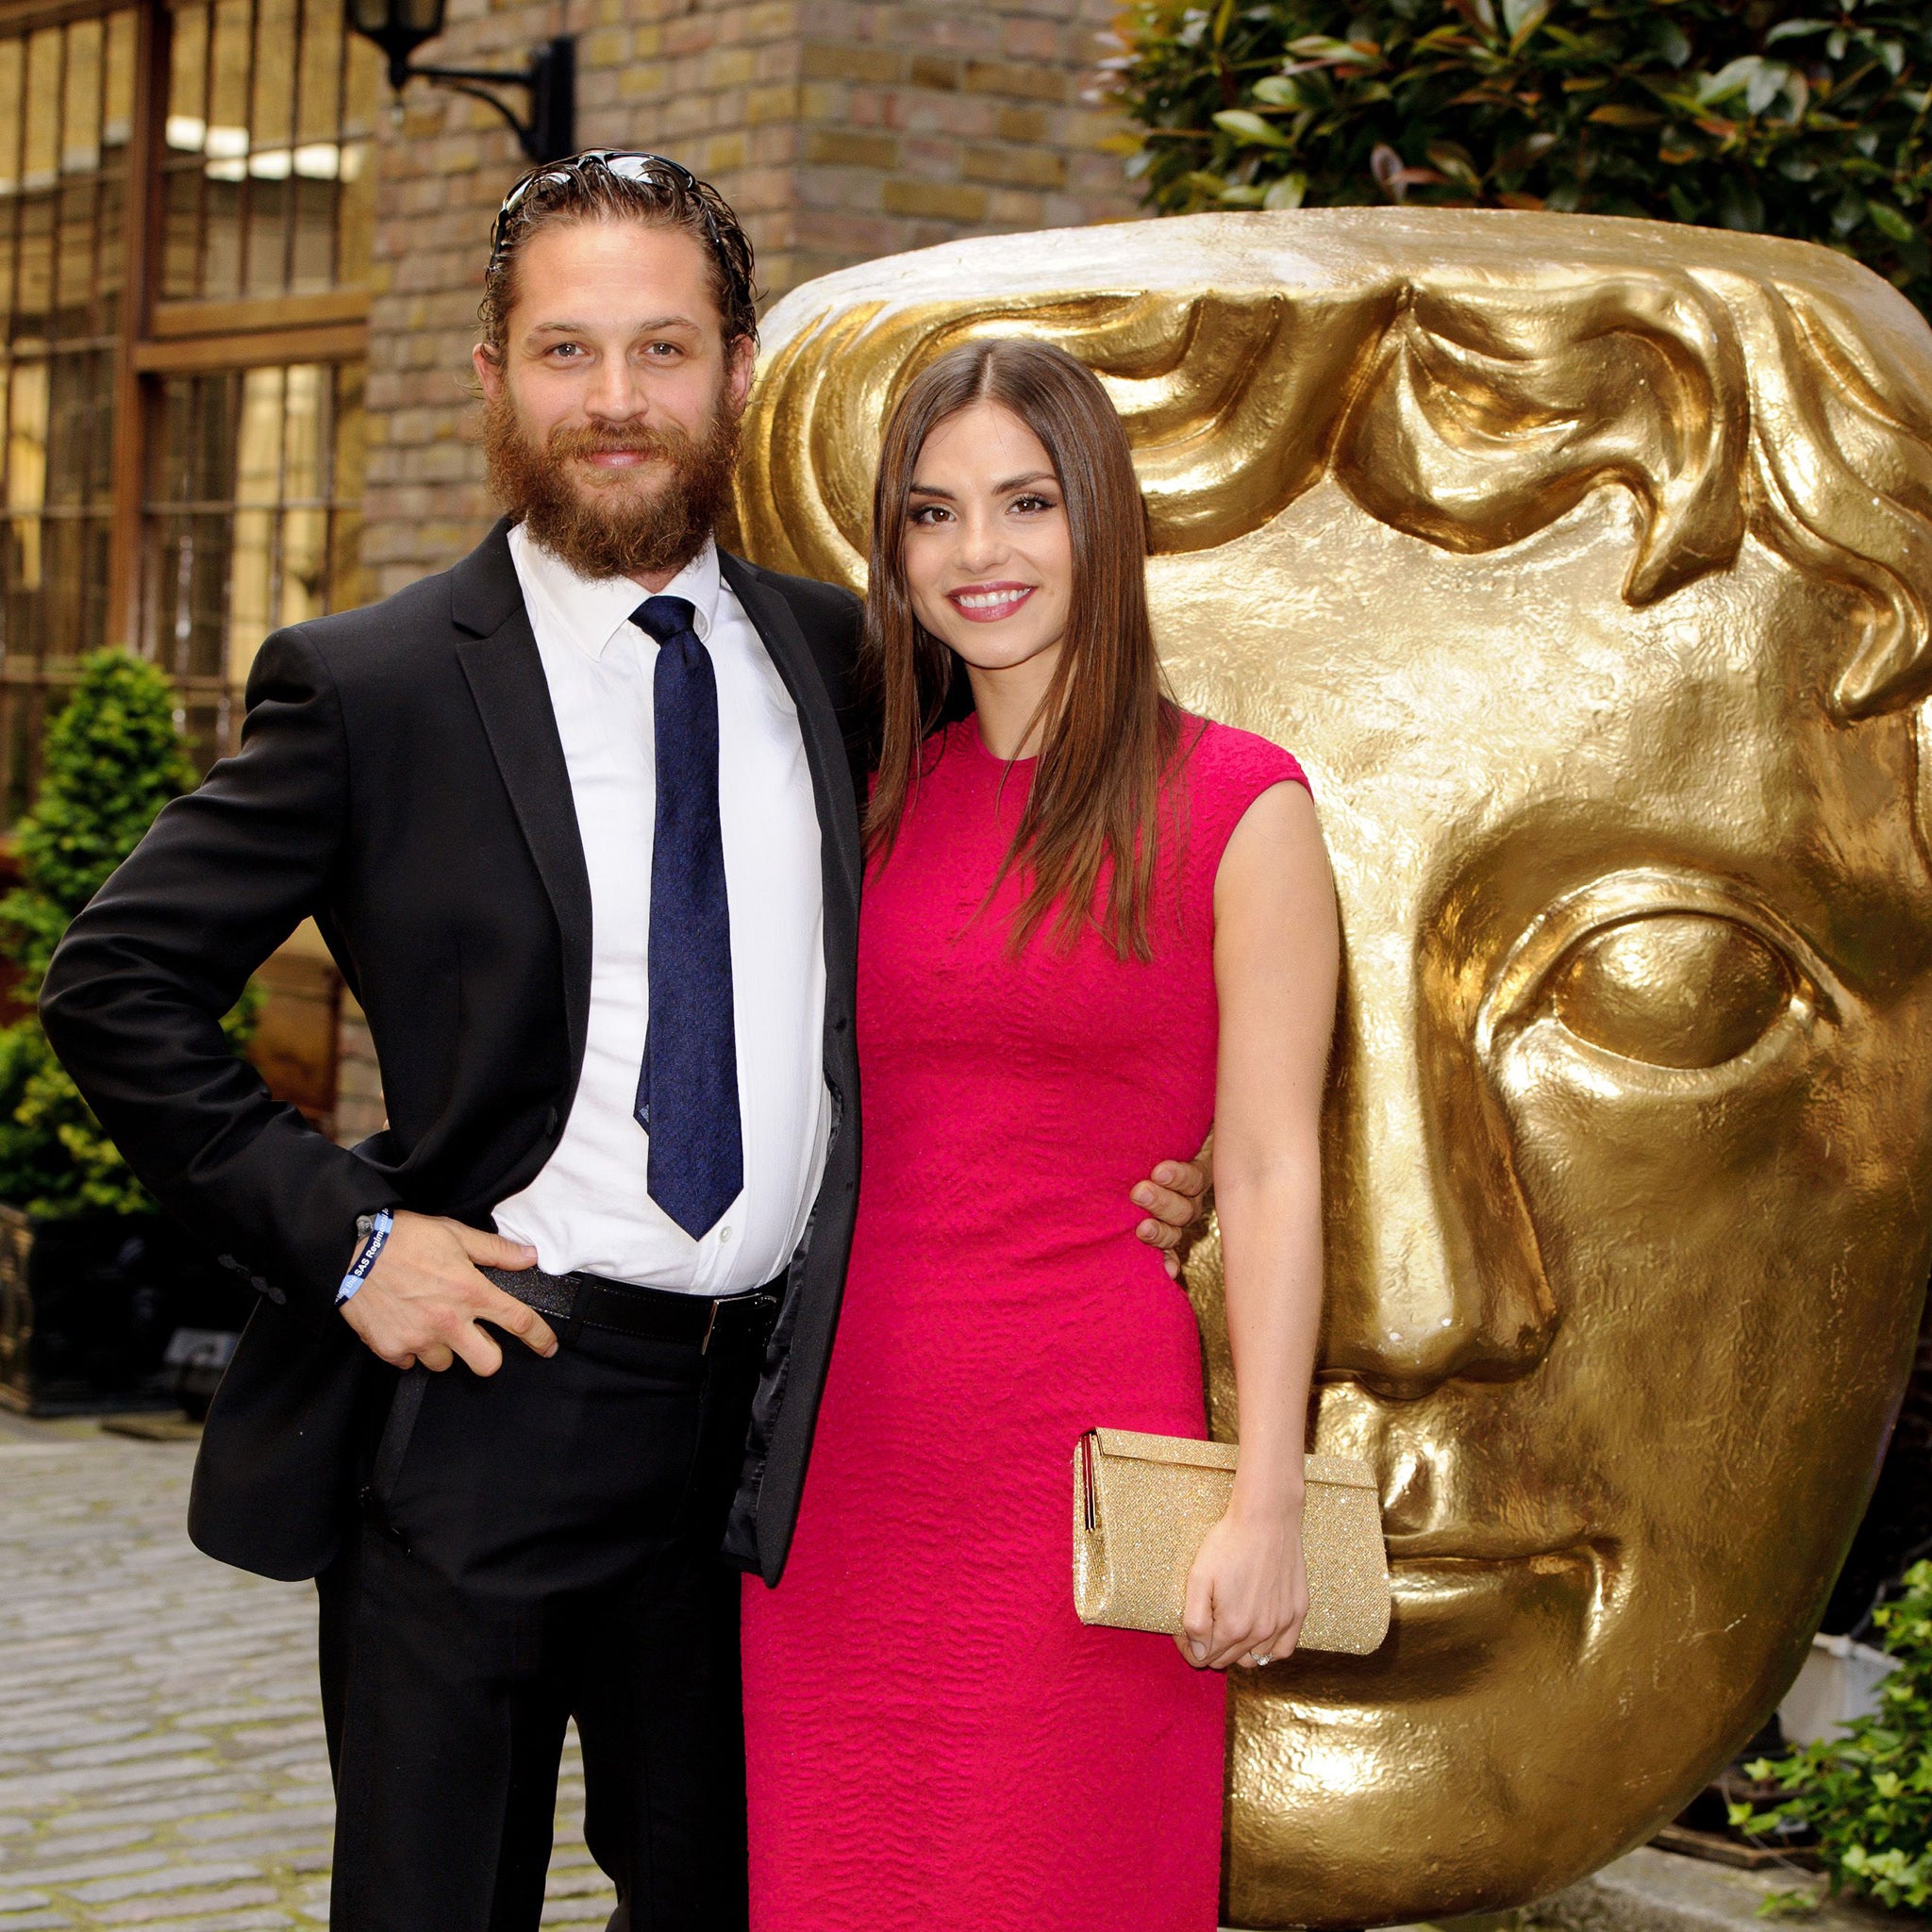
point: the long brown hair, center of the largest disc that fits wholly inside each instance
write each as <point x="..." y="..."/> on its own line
<point x="1109" y="729"/>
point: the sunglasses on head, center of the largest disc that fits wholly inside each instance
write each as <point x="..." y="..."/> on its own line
<point x="624" y="164"/>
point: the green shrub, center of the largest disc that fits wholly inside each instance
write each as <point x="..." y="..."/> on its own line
<point x="1868" y="1792"/>
<point x="111" y="759"/>
<point x="1805" y="118"/>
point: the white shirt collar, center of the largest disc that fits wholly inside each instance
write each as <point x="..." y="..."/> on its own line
<point x="591" y="612"/>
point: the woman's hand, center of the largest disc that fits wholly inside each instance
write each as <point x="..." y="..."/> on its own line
<point x="1248" y="1591"/>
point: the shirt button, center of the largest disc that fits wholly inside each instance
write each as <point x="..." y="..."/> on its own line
<point x="723" y="1234"/>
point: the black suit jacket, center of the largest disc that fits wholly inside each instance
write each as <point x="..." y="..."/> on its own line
<point x="400" y="779"/>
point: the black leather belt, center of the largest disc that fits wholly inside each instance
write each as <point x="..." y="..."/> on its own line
<point x="589" y="1301"/>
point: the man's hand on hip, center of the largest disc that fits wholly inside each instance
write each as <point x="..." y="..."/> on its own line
<point x="423" y="1297"/>
<point x="1175" y="1198"/>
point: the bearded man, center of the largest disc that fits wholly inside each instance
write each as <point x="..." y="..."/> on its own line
<point x="580" y="820"/>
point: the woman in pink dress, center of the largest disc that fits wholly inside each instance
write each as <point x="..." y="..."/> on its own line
<point x="1094" y="927"/>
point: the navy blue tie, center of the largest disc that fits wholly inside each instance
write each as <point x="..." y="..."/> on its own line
<point x="688" y="1087"/>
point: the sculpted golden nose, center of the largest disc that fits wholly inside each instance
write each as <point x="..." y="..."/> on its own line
<point x="1432" y="1264"/>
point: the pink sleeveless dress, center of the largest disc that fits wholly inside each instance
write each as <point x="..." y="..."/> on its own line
<point x="935" y="1743"/>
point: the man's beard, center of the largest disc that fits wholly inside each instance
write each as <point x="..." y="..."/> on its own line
<point x="640" y="523"/>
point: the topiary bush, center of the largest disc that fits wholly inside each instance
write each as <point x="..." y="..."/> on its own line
<point x="1868" y="1792"/>
<point x="1789" y="117"/>
<point x="111" y="759"/>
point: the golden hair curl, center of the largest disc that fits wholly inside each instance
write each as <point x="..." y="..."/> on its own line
<point x="1466" y="411"/>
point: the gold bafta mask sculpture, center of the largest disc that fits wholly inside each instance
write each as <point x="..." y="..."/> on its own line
<point x="1588" y="566"/>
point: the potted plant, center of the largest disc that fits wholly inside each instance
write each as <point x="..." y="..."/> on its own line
<point x="95" y="1283"/>
<point x="1866" y="1792"/>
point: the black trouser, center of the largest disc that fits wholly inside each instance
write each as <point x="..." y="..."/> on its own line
<point x="547" y="1549"/>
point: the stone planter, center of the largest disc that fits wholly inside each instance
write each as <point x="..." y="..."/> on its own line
<point x="1839" y="1682"/>
<point x="89" y="1309"/>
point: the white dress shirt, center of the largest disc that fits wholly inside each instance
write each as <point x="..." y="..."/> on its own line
<point x="589" y="1209"/>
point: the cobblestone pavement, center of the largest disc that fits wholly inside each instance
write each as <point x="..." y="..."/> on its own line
<point x="161" y="1757"/>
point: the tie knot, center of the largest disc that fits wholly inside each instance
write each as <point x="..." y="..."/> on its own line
<point x="664" y="617"/>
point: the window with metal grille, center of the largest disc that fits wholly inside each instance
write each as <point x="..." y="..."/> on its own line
<point x="267" y="187"/>
<point x="254" y="519"/>
<point x="180" y="387"/>
<point x="67" y="96"/>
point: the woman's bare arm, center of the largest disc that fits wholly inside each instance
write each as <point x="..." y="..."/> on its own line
<point x="1276" y="956"/>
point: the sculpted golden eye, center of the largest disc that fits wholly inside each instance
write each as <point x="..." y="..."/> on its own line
<point x="1676" y="989"/>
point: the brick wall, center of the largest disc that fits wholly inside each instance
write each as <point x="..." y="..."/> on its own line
<point x="918" y="123"/>
<point x="358" y="1109"/>
<point x="841" y="129"/>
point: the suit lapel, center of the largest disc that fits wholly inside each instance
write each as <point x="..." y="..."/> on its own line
<point x="506" y="678"/>
<point x="824" y="747"/>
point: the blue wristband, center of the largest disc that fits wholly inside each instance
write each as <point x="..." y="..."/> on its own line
<point x="376" y="1227"/>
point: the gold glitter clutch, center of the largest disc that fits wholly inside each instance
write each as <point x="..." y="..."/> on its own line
<point x="1143" y="1505"/>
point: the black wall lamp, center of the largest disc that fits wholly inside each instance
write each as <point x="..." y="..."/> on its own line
<point x="400" y="27"/>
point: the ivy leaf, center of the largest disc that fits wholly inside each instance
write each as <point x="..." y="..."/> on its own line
<point x="1278" y="90"/>
<point x="1888" y="221"/>
<point x="1285" y="192"/>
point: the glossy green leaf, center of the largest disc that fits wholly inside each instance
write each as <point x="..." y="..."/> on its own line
<point x="1520" y="18"/>
<point x="1889" y="222"/>
<point x="1245" y="126"/>
<point x="1780" y="117"/>
<point x="1278" y="90"/>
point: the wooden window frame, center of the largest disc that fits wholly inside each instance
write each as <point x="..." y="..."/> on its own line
<point x="159" y="338"/>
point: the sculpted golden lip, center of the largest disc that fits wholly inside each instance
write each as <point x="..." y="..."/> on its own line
<point x="1471" y="1546"/>
<point x="1448" y="1604"/>
<point x="1408" y="1574"/>
<point x="1484" y="1579"/>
